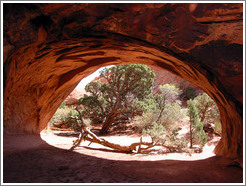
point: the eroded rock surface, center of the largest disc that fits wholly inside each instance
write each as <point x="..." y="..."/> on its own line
<point x="50" y="47"/>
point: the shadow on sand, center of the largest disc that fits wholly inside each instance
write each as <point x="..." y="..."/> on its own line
<point x="48" y="164"/>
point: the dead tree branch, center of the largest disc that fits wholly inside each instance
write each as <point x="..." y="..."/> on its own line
<point x="87" y="135"/>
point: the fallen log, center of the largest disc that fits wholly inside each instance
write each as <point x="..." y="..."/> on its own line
<point x="87" y="135"/>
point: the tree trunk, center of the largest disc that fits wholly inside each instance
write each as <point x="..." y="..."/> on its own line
<point x="108" y="122"/>
<point x="191" y="135"/>
<point x="204" y="113"/>
<point x="160" y="114"/>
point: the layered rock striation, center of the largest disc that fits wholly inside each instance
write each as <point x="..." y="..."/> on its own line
<point x="49" y="47"/>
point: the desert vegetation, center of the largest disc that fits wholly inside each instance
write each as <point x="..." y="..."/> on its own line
<point x="173" y="117"/>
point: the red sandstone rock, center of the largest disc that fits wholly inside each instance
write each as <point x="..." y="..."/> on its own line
<point x="74" y="96"/>
<point x="49" y="48"/>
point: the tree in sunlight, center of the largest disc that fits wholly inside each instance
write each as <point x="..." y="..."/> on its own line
<point x="121" y="97"/>
<point x="207" y="109"/>
<point x="197" y="134"/>
<point x="161" y="122"/>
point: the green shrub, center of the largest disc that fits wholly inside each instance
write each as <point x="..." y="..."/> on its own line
<point x="217" y="126"/>
<point x="156" y="131"/>
<point x="172" y="114"/>
<point x="145" y="121"/>
<point x="168" y="106"/>
<point x="207" y="109"/>
<point x="174" y="141"/>
<point x="63" y="104"/>
<point x="160" y="121"/>
<point x="190" y="93"/>
<point x="197" y="134"/>
<point x="62" y="114"/>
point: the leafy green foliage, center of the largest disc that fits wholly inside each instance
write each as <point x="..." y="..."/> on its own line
<point x="93" y="106"/>
<point x="63" y="104"/>
<point x="146" y="104"/>
<point x="144" y="121"/>
<point x="168" y="106"/>
<point x="136" y="79"/>
<point x="190" y="93"/>
<point x="62" y="114"/>
<point x="207" y="109"/>
<point x="217" y="127"/>
<point x="156" y="131"/>
<point x="122" y="97"/>
<point x="172" y="114"/>
<point x="160" y="122"/>
<point x="173" y="139"/>
<point x="169" y="93"/>
<point x="165" y="107"/>
<point x="197" y="134"/>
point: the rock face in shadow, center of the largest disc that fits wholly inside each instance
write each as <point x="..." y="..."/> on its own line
<point x="49" y="48"/>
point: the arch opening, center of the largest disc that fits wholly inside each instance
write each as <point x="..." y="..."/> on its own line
<point x="58" y="66"/>
<point x="49" y="48"/>
<point x="127" y="130"/>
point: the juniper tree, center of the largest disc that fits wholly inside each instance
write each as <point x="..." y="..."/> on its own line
<point x="207" y="109"/>
<point x="117" y="99"/>
<point x="197" y="134"/>
<point x="161" y="122"/>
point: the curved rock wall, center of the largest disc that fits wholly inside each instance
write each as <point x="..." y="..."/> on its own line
<point x="49" y="48"/>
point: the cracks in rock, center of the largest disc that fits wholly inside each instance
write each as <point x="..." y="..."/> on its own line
<point x="42" y="55"/>
<point x="67" y="50"/>
<point x="78" y="58"/>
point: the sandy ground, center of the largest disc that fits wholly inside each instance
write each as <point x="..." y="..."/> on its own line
<point x="53" y="163"/>
<point x="64" y="140"/>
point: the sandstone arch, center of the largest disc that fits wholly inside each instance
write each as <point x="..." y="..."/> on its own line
<point x="49" y="48"/>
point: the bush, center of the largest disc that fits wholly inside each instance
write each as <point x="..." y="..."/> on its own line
<point x="168" y="106"/>
<point x="190" y="93"/>
<point x="217" y="127"/>
<point x="197" y="134"/>
<point x="207" y="109"/>
<point x="173" y="140"/>
<point x="62" y="114"/>
<point x="158" y="132"/>
<point x="160" y="121"/>
<point x="145" y="105"/>
<point x="172" y="114"/>
<point x="145" y="121"/>
<point x="63" y="104"/>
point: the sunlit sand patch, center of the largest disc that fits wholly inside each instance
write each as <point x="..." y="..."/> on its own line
<point x="64" y="140"/>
